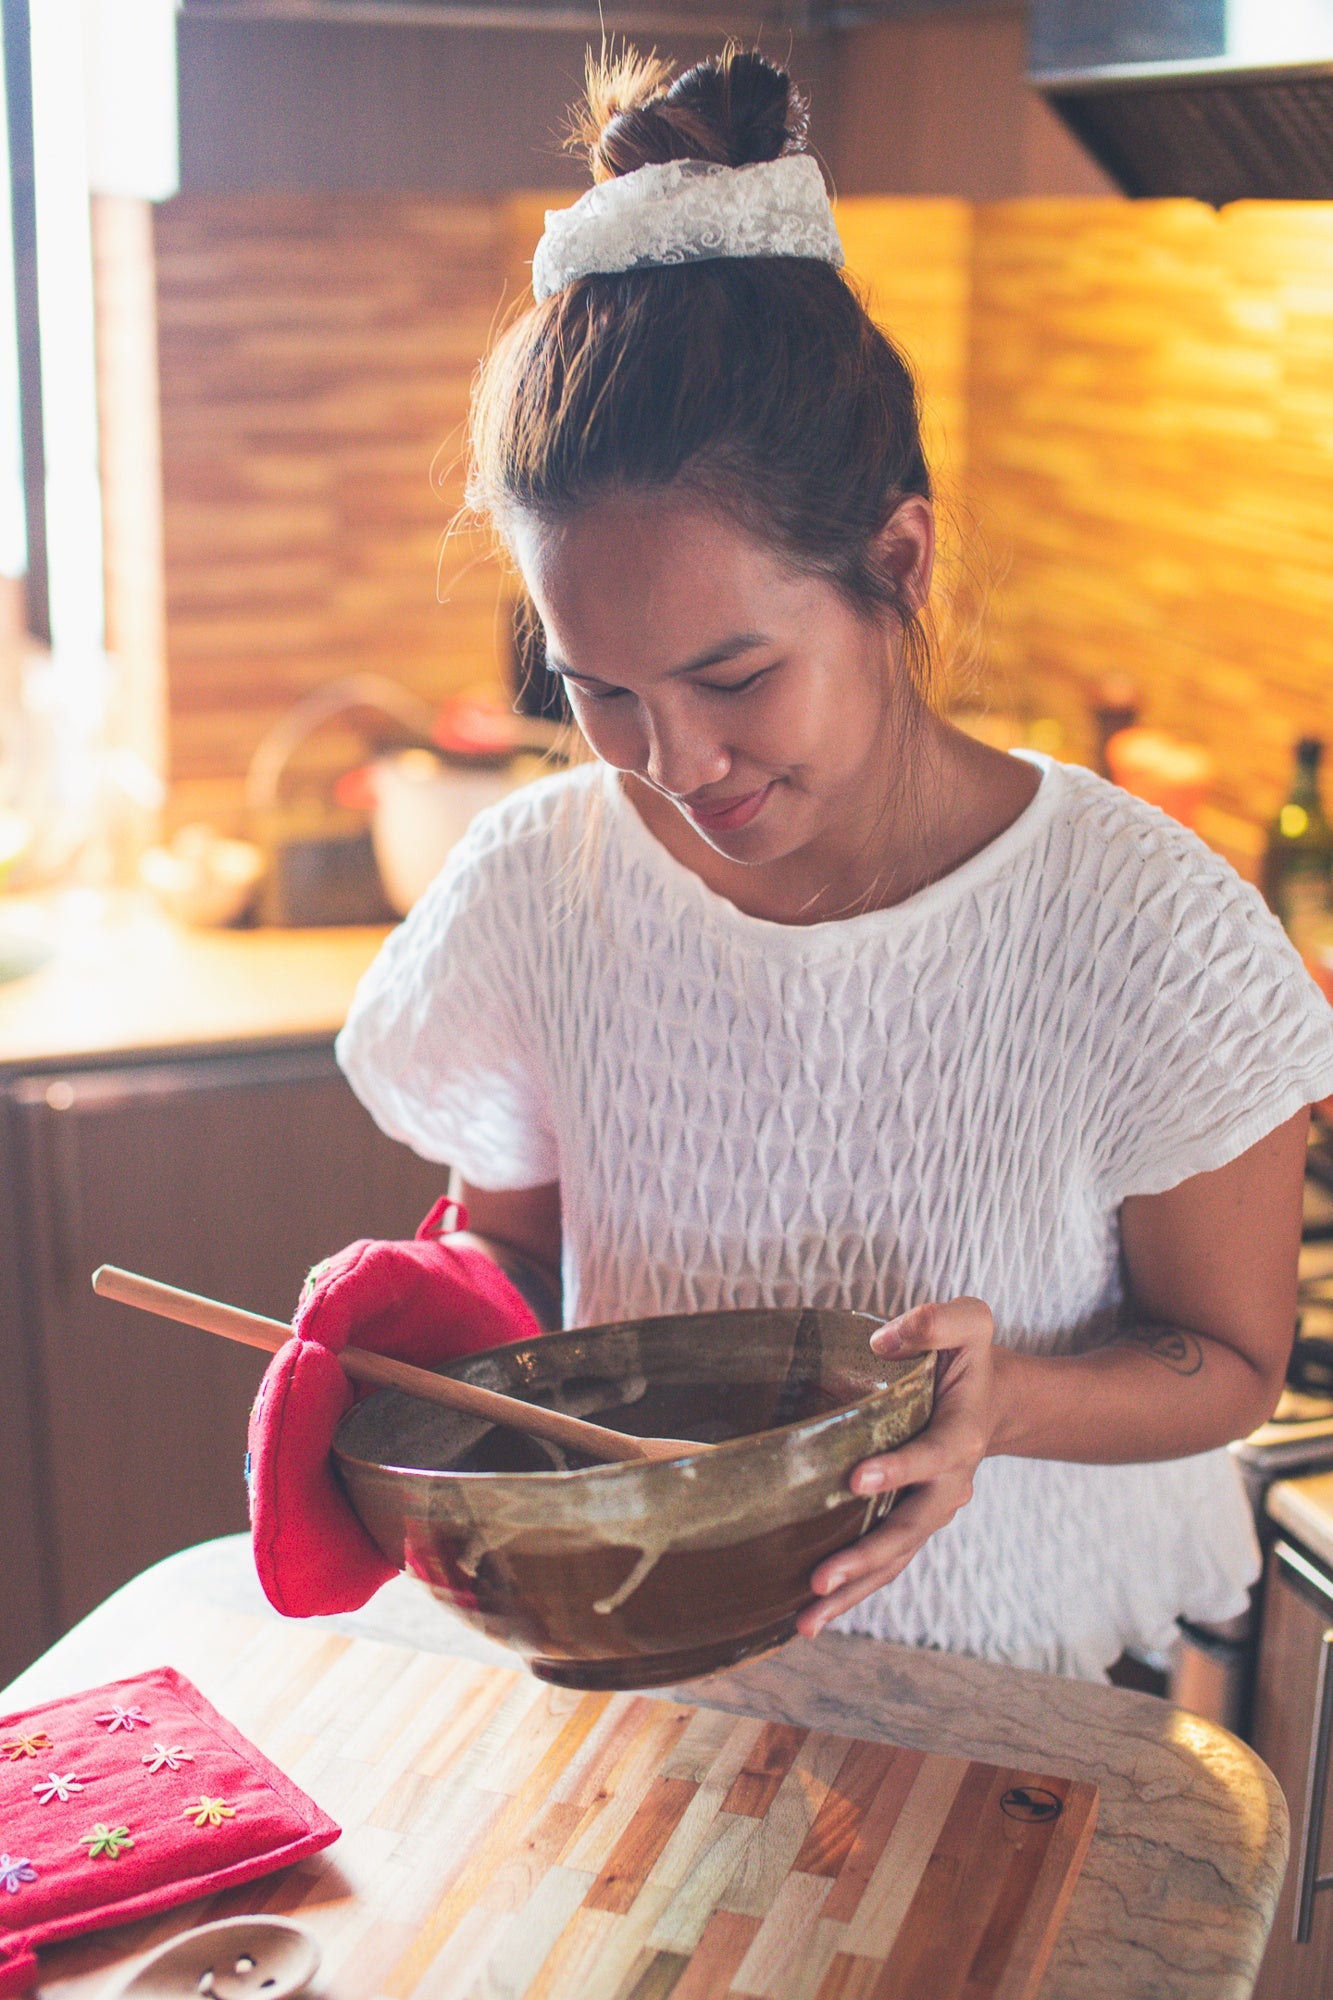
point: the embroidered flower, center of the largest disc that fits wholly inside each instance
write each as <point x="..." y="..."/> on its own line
<point x="164" y="1758"/>
<point x="57" y="1787"/>
<point x="209" y="1812"/>
<point x="106" y="1840"/>
<point x="14" y="1872"/>
<point x="26" y="1746"/>
<point x="121" y="1718"/>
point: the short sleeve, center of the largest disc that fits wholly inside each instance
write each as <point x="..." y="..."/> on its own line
<point x="1220" y="1033"/>
<point x="438" y="1044"/>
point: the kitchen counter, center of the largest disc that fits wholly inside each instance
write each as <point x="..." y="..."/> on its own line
<point x="124" y="980"/>
<point x="1174" y="1901"/>
<point x="1304" y="1507"/>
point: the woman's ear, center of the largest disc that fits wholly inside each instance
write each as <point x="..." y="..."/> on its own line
<point x="905" y="546"/>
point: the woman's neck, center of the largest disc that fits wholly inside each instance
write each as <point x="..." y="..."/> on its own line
<point x="941" y="799"/>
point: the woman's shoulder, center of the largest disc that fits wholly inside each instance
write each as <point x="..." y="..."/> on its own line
<point x="1141" y="867"/>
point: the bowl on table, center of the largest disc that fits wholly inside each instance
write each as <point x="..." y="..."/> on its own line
<point x="637" y="1574"/>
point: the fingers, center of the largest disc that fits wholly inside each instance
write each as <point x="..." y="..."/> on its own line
<point x="869" y="1564"/>
<point x="953" y="1442"/>
<point x="929" y="1328"/>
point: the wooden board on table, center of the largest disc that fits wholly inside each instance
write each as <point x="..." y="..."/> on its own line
<point x="619" y="1847"/>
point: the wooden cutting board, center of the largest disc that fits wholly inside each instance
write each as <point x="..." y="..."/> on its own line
<point x="618" y="1847"/>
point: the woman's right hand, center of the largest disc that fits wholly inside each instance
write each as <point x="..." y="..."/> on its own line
<point x="932" y="1472"/>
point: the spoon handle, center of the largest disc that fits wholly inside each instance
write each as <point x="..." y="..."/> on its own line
<point x="254" y="1330"/>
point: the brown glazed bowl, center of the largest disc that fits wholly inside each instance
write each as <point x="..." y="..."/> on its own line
<point x="638" y="1575"/>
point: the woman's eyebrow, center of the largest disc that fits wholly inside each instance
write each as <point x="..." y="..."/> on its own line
<point x="726" y="649"/>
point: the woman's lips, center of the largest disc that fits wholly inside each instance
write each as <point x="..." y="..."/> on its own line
<point x="728" y="814"/>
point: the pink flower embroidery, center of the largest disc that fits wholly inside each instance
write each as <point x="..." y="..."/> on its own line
<point x="121" y="1718"/>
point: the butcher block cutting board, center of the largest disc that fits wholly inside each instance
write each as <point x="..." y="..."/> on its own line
<point x="619" y="1847"/>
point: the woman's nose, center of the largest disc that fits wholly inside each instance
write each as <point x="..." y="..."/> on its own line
<point x="682" y="761"/>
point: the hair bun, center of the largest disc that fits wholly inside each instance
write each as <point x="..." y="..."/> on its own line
<point x="734" y="109"/>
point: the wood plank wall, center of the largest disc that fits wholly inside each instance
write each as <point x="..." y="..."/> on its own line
<point x="912" y="259"/>
<point x="315" y="357"/>
<point x="1151" y="459"/>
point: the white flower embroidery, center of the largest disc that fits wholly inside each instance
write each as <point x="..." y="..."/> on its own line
<point x="57" y="1787"/>
<point x="121" y="1718"/>
<point x="162" y="1758"/>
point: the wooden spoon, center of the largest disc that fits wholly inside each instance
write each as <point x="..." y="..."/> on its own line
<point x="253" y="1330"/>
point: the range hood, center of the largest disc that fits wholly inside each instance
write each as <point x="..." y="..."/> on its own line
<point x="1225" y="100"/>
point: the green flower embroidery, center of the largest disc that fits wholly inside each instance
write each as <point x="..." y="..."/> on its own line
<point x="107" y="1840"/>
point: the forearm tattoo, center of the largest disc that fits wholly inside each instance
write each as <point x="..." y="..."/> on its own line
<point x="1177" y="1350"/>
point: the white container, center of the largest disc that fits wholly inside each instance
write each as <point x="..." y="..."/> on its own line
<point x="423" y="806"/>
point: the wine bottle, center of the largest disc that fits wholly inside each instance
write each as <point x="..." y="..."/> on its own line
<point x="1298" y="864"/>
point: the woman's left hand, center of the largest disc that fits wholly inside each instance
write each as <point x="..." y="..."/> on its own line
<point x="938" y="1465"/>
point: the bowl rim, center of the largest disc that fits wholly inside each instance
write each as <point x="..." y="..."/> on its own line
<point x="841" y="1414"/>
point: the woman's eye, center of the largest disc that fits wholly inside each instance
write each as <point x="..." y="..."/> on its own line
<point x="599" y="694"/>
<point x="735" y="687"/>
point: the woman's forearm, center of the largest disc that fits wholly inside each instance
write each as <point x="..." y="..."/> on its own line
<point x="1156" y="1392"/>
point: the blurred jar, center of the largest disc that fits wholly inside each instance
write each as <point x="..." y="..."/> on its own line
<point x="1161" y="768"/>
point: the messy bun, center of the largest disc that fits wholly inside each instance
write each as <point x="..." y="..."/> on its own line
<point x="733" y="111"/>
<point x="760" y="384"/>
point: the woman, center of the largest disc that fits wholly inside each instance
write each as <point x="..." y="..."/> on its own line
<point x="796" y="994"/>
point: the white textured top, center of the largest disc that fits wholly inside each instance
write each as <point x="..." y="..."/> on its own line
<point x="950" y="1096"/>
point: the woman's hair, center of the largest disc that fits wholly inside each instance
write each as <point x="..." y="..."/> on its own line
<point x="759" y="384"/>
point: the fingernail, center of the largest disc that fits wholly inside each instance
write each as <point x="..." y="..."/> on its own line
<point x="887" y="1341"/>
<point x="871" y="1482"/>
<point x="833" y="1581"/>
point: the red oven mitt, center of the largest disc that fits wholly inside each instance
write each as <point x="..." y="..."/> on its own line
<point x="423" y="1301"/>
<point x="129" y="1799"/>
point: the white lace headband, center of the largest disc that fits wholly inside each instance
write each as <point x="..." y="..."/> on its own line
<point x="685" y="211"/>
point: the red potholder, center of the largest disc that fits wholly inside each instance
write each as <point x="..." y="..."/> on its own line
<point x="127" y="1800"/>
<point x="421" y="1300"/>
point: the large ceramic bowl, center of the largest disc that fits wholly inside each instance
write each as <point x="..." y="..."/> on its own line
<point x="634" y="1575"/>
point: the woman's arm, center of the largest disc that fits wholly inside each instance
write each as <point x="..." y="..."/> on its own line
<point x="1211" y="1269"/>
<point x="519" y="1229"/>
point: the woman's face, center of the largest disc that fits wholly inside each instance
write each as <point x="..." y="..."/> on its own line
<point x="753" y="698"/>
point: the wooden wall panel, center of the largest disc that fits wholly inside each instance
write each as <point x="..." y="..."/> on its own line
<point x="316" y="355"/>
<point x="1151" y="460"/>
<point x="937" y="102"/>
<point x="913" y="260"/>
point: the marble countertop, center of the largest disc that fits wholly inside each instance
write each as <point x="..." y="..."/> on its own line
<point x="1175" y="1898"/>
<point x="123" y="980"/>
<point x="1304" y="1507"/>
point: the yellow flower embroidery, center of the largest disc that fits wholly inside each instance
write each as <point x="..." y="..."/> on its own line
<point x="209" y="1812"/>
<point x="26" y="1746"/>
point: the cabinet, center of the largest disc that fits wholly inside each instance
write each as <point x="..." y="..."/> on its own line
<point x="122" y="1436"/>
<point x="1293" y="1728"/>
